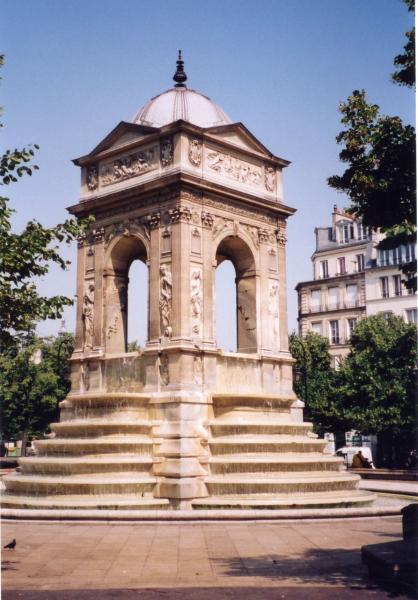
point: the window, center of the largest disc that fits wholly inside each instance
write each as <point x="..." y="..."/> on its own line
<point x="411" y="315"/>
<point x="362" y="232"/>
<point x="317" y="327"/>
<point x="386" y="314"/>
<point x="410" y="253"/>
<point x="360" y="262"/>
<point x="383" y="258"/>
<point x="334" y="332"/>
<point x="324" y="269"/>
<point x="341" y="265"/>
<point x="344" y="232"/>
<point x="351" y="323"/>
<point x="351" y="294"/>
<point x="397" y="285"/>
<point x="315" y="299"/>
<point x="333" y="297"/>
<point x="384" y="287"/>
<point x="397" y="255"/>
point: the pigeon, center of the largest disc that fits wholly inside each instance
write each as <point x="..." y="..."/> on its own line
<point x="11" y="545"/>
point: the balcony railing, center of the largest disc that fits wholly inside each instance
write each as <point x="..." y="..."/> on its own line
<point x="328" y="306"/>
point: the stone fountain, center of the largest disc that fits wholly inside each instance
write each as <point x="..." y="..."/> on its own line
<point x="181" y="427"/>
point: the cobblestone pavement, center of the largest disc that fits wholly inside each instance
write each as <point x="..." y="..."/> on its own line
<point x="199" y="561"/>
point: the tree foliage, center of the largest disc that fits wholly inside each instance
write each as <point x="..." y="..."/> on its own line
<point x="26" y="256"/>
<point x="380" y="153"/>
<point x="376" y="384"/>
<point x="31" y="390"/>
<point x="405" y="74"/>
<point x="315" y="380"/>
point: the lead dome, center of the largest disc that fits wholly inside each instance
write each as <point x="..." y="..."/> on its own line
<point x="181" y="103"/>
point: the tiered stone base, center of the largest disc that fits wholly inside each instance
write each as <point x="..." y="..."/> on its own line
<point x="140" y="456"/>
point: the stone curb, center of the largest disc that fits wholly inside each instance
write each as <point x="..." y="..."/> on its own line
<point x="194" y="515"/>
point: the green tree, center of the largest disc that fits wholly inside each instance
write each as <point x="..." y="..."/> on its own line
<point x="376" y="385"/>
<point x="34" y="378"/>
<point x="26" y="256"/>
<point x="380" y="152"/>
<point x="405" y="74"/>
<point x="314" y="380"/>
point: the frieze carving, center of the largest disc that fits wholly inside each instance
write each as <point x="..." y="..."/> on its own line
<point x="270" y="179"/>
<point x="191" y="196"/>
<point x="126" y="228"/>
<point x="195" y="152"/>
<point x="129" y="166"/>
<point x="234" y="168"/>
<point x="166" y="290"/>
<point x="245" y="212"/>
<point x="207" y="220"/>
<point x="180" y="214"/>
<point x="92" y="178"/>
<point x="166" y="152"/>
<point x="196" y="300"/>
<point x="88" y="315"/>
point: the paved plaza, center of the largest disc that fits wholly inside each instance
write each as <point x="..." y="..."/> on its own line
<point x="199" y="561"/>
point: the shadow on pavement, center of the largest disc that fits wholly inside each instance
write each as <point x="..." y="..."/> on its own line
<point x="214" y="593"/>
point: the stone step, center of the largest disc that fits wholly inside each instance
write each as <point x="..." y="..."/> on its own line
<point x="72" y="502"/>
<point x="219" y="485"/>
<point x="257" y="427"/>
<point x="99" y="427"/>
<point x="139" y="445"/>
<point x="247" y="445"/>
<point x="226" y="465"/>
<point x="338" y="499"/>
<point x="119" y="399"/>
<point x="111" y="483"/>
<point x="40" y="465"/>
<point x="248" y="404"/>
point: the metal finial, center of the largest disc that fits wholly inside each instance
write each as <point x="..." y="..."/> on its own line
<point x="180" y="76"/>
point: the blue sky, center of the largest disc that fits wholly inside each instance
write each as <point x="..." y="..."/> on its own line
<point x="75" y="68"/>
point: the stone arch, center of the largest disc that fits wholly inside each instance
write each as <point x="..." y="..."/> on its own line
<point x="238" y="251"/>
<point x="120" y="254"/>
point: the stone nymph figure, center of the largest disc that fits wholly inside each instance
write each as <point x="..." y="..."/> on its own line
<point x="165" y="300"/>
<point x="87" y="316"/>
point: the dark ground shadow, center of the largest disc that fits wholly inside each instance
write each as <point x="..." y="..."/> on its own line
<point x="204" y="593"/>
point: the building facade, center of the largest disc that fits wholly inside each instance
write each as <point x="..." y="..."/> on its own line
<point x="352" y="279"/>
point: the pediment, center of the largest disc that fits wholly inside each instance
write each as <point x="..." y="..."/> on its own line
<point x="238" y="135"/>
<point x="124" y="133"/>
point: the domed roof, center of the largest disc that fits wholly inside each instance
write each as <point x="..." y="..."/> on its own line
<point x="181" y="103"/>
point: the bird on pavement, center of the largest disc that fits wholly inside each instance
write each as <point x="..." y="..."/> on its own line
<point x="11" y="545"/>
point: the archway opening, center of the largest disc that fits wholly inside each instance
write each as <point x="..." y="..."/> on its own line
<point x="226" y="307"/>
<point x="137" y="318"/>
<point x="126" y="318"/>
<point x="233" y="249"/>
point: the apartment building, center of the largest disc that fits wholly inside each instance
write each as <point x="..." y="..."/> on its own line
<point x="351" y="280"/>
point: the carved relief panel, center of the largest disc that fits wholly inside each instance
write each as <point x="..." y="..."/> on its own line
<point x="196" y="300"/>
<point x="165" y="304"/>
<point x="126" y="167"/>
<point x="273" y="308"/>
